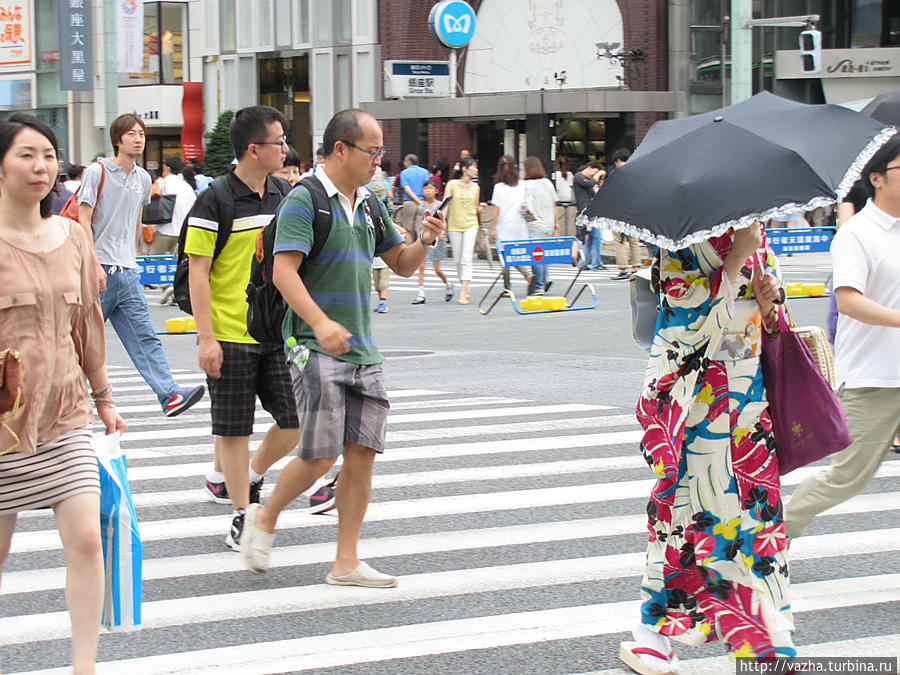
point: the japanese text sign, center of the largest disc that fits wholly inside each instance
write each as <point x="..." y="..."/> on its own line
<point x="16" y="43"/>
<point x="76" y="60"/>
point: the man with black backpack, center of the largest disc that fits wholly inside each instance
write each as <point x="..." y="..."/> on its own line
<point x="336" y="366"/>
<point x="220" y="242"/>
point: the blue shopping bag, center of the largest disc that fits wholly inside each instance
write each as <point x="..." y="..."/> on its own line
<point x="123" y="552"/>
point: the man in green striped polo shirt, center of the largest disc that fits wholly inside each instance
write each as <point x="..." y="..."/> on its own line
<point x="340" y="393"/>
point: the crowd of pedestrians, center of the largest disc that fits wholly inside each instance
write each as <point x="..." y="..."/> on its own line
<point x="323" y="381"/>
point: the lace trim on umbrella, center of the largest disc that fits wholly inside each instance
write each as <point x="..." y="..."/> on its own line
<point x="779" y="212"/>
<point x="855" y="170"/>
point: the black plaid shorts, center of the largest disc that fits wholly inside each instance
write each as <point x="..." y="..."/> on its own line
<point x="248" y="371"/>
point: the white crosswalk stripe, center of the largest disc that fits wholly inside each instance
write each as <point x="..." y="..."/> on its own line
<point x="512" y="524"/>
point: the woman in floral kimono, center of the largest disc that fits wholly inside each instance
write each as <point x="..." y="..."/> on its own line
<point x="716" y="565"/>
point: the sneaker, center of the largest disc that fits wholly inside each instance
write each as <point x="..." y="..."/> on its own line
<point x="622" y="275"/>
<point x="381" y="307"/>
<point x="233" y="538"/>
<point x="255" y="545"/>
<point x="218" y="492"/>
<point x="322" y="500"/>
<point x="255" y="489"/>
<point x="168" y="296"/>
<point x="448" y="296"/>
<point x="182" y="399"/>
<point x="420" y="300"/>
<point x="547" y="285"/>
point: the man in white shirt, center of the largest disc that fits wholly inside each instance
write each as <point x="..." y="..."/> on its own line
<point x="165" y="239"/>
<point x="867" y="346"/>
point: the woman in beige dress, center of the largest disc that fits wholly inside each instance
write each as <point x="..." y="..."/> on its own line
<point x="50" y="313"/>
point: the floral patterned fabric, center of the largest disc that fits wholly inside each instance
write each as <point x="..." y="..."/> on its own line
<point x="716" y="564"/>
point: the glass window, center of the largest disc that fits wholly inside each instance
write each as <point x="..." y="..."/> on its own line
<point x="48" y="91"/>
<point x="282" y="23"/>
<point x="342" y="82"/>
<point x="209" y="11"/>
<point x="365" y="86"/>
<point x="322" y="97"/>
<point x="228" y="70"/>
<point x="264" y="17"/>
<point x="302" y="30"/>
<point x="323" y="21"/>
<point x="165" y="28"/>
<point x="47" y="34"/>
<point x="342" y="26"/>
<point x="227" y="25"/>
<point x="865" y="23"/>
<point x="245" y="28"/>
<point x="362" y="17"/>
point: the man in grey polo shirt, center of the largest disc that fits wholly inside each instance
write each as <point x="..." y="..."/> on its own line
<point x="113" y="222"/>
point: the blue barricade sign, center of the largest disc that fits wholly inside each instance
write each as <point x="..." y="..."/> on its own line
<point x="549" y="251"/>
<point x="800" y="239"/>
<point x="157" y="269"/>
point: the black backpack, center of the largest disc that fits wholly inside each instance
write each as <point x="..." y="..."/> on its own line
<point x="225" y="204"/>
<point x="265" y="306"/>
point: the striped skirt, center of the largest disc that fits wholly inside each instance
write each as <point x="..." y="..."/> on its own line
<point x="58" y="470"/>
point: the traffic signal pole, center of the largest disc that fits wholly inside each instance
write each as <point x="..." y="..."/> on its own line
<point x="742" y="24"/>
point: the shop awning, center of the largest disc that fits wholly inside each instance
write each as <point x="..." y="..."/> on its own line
<point x="593" y="102"/>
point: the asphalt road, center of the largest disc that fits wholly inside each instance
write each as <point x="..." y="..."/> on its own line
<point x="509" y="502"/>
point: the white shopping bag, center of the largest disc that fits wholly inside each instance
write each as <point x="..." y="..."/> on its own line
<point x="123" y="551"/>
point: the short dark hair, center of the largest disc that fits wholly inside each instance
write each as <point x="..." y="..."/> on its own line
<point x="10" y="128"/>
<point x="292" y="158"/>
<point x="75" y="171"/>
<point x="620" y="155"/>
<point x="411" y="158"/>
<point x="591" y="165"/>
<point x="879" y="162"/>
<point x="344" y="126"/>
<point x="534" y="168"/>
<point x="122" y="125"/>
<point x="250" y="125"/>
<point x="507" y="171"/>
<point x="320" y="151"/>
<point x="431" y="183"/>
<point x="174" y="163"/>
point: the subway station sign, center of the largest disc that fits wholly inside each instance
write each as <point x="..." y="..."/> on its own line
<point x="416" y="79"/>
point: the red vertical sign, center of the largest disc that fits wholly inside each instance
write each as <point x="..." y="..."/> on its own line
<point x="192" y="114"/>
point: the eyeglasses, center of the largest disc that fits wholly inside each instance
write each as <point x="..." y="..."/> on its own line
<point x="374" y="154"/>
<point x="281" y="141"/>
<point x="892" y="167"/>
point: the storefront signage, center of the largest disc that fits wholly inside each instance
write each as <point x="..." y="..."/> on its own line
<point x="848" y="63"/>
<point x="76" y="46"/>
<point x="452" y="23"/>
<point x="16" y="35"/>
<point x="417" y="79"/>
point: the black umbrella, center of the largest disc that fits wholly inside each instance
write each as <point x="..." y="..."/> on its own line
<point x="696" y="177"/>
<point x="885" y="108"/>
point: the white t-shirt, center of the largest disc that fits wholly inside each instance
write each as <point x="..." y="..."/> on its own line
<point x="563" y="184"/>
<point x="865" y="255"/>
<point x="174" y="184"/>
<point x="511" y="224"/>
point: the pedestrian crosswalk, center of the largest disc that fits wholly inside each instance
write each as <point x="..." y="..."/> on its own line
<point x="517" y="529"/>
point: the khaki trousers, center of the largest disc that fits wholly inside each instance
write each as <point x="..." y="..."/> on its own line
<point x="873" y="415"/>
<point x="622" y="248"/>
<point x="163" y="243"/>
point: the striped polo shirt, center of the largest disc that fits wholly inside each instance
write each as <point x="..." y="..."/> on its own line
<point x="339" y="279"/>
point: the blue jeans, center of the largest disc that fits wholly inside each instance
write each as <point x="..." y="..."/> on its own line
<point x="540" y="276"/>
<point x="593" y="248"/>
<point x="124" y="304"/>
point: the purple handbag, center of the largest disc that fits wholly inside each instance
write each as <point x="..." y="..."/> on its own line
<point x="807" y="418"/>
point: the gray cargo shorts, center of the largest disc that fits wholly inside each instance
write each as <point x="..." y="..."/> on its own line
<point x="337" y="402"/>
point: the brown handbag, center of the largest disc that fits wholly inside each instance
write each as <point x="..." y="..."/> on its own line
<point x="10" y="391"/>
